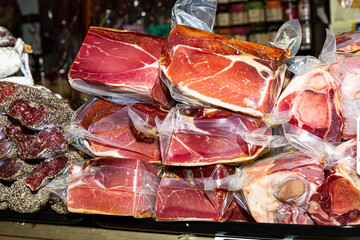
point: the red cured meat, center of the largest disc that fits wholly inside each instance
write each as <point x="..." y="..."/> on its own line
<point x="195" y="136"/>
<point x="314" y="103"/>
<point x="25" y="113"/>
<point x="183" y="195"/>
<point x="278" y="190"/>
<point x="6" y="91"/>
<point x="44" y="171"/>
<point x="116" y="61"/>
<point x="44" y="144"/>
<point x="347" y="76"/>
<point x="113" y="132"/>
<point x="10" y="168"/>
<point x="7" y="148"/>
<point x="229" y="73"/>
<point x="337" y="200"/>
<point x="348" y="42"/>
<point x="114" y="187"/>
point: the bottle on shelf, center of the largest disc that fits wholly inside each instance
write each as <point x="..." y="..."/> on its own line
<point x="304" y="17"/>
<point x="238" y="13"/>
<point x="256" y="11"/>
<point x="290" y="10"/>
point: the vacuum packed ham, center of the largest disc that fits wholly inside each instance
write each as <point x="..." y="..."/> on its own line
<point x="278" y="190"/>
<point x="195" y="194"/>
<point x="107" y="129"/>
<point x="205" y="68"/>
<point x="196" y="136"/>
<point x="348" y="42"/>
<point x="112" y="61"/>
<point x="113" y="186"/>
<point x="336" y="201"/>
<point x="347" y="76"/>
<point x="314" y="105"/>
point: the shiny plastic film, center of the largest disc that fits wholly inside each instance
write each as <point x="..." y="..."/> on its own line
<point x="105" y="128"/>
<point x="288" y="37"/>
<point x="112" y="186"/>
<point x="279" y="189"/>
<point x="199" y="194"/>
<point x="196" y="136"/>
<point x="198" y="14"/>
<point x="132" y="70"/>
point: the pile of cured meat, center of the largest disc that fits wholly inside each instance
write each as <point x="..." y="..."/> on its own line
<point x="195" y="127"/>
<point x="33" y="122"/>
<point x="182" y="129"/>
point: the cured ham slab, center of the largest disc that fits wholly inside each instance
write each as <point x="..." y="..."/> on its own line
<point x="337" y="200"/>
<point x="112" y="186"/>
<point x="108" y="130"/>
<point x="184" y="195"/>
<point x="347" y="76"/>
<point x="278" y="190"/>
<point x="348" y="42"/>
<point x="314" y="103"/>
<point x="112" y="61"/>
<point x="201" y="67"/>
<point x="196" y="136"/>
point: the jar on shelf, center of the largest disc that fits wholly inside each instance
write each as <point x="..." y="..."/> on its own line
<point x="273" y="11"/>
<point x="304" y="10"/>
<point x="238" y="13"/>
<point x="306" y="35"/>
<point x="258" y="34"/>
<point x="223" y="17"/>
<point x="256" y="11"/>
<point x="240" y="33"/>
<point x="290" y="10"/>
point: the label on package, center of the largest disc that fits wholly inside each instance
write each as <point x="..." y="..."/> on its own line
<point x="358" y="146"/>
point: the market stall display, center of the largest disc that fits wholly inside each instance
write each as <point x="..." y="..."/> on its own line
<point x="213" y="156"/>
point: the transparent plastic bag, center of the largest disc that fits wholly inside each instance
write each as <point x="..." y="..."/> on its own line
<point x="104" y="128"/>
<point x="195" y="63"/>
<point x="279" y="189"/>
<point x="197" y="14"/>
<point x="195" y="136"/>
<point x="201" y="194"/>
<point x="109" y="186"/>
<point x="132" y="69"/>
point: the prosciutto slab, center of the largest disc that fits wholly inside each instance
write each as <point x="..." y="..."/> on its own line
<point x="113" y="186"/>
<point x="337" y="200"/>
<point x="347" y="76"/>
<point x="112" y="61"/>
<point x="185" y="195"/>
<point x="314" y="103"/>
<point x="196" y="136"/>
<point x="278" y="190"/>
<point x="108" y="130"/>
<point x="201" y="67"/>
<point x="348" y="42"/>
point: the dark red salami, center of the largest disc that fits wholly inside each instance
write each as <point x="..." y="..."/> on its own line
<point x="7" y="148"/>
<point x="44" y="144"/>
<point x="10" y="168"/>
<point x="44" y="171"/>
<point x="7" y="90"/>
<point x="27" y="115"/>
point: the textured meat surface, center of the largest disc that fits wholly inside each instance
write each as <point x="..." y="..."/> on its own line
<point x="183" y="195"/>
<point x="347" y="76"/>
<point x="314" y="102"/>
<point x="113" y="132"/>
<point x="278" y="190"/>
<point x="36" y="145"/>
<point x="337" y="200"/>
<point x="114" y="187"/>
<point x="195" y="136"/>
<point x="34" y="108"/>
<point x="113" y="60"/>
<point x="237" y="75"/>
<point x="348" y="42"/>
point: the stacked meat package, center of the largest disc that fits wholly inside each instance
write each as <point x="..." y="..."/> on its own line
<point x="199" y="127"/>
